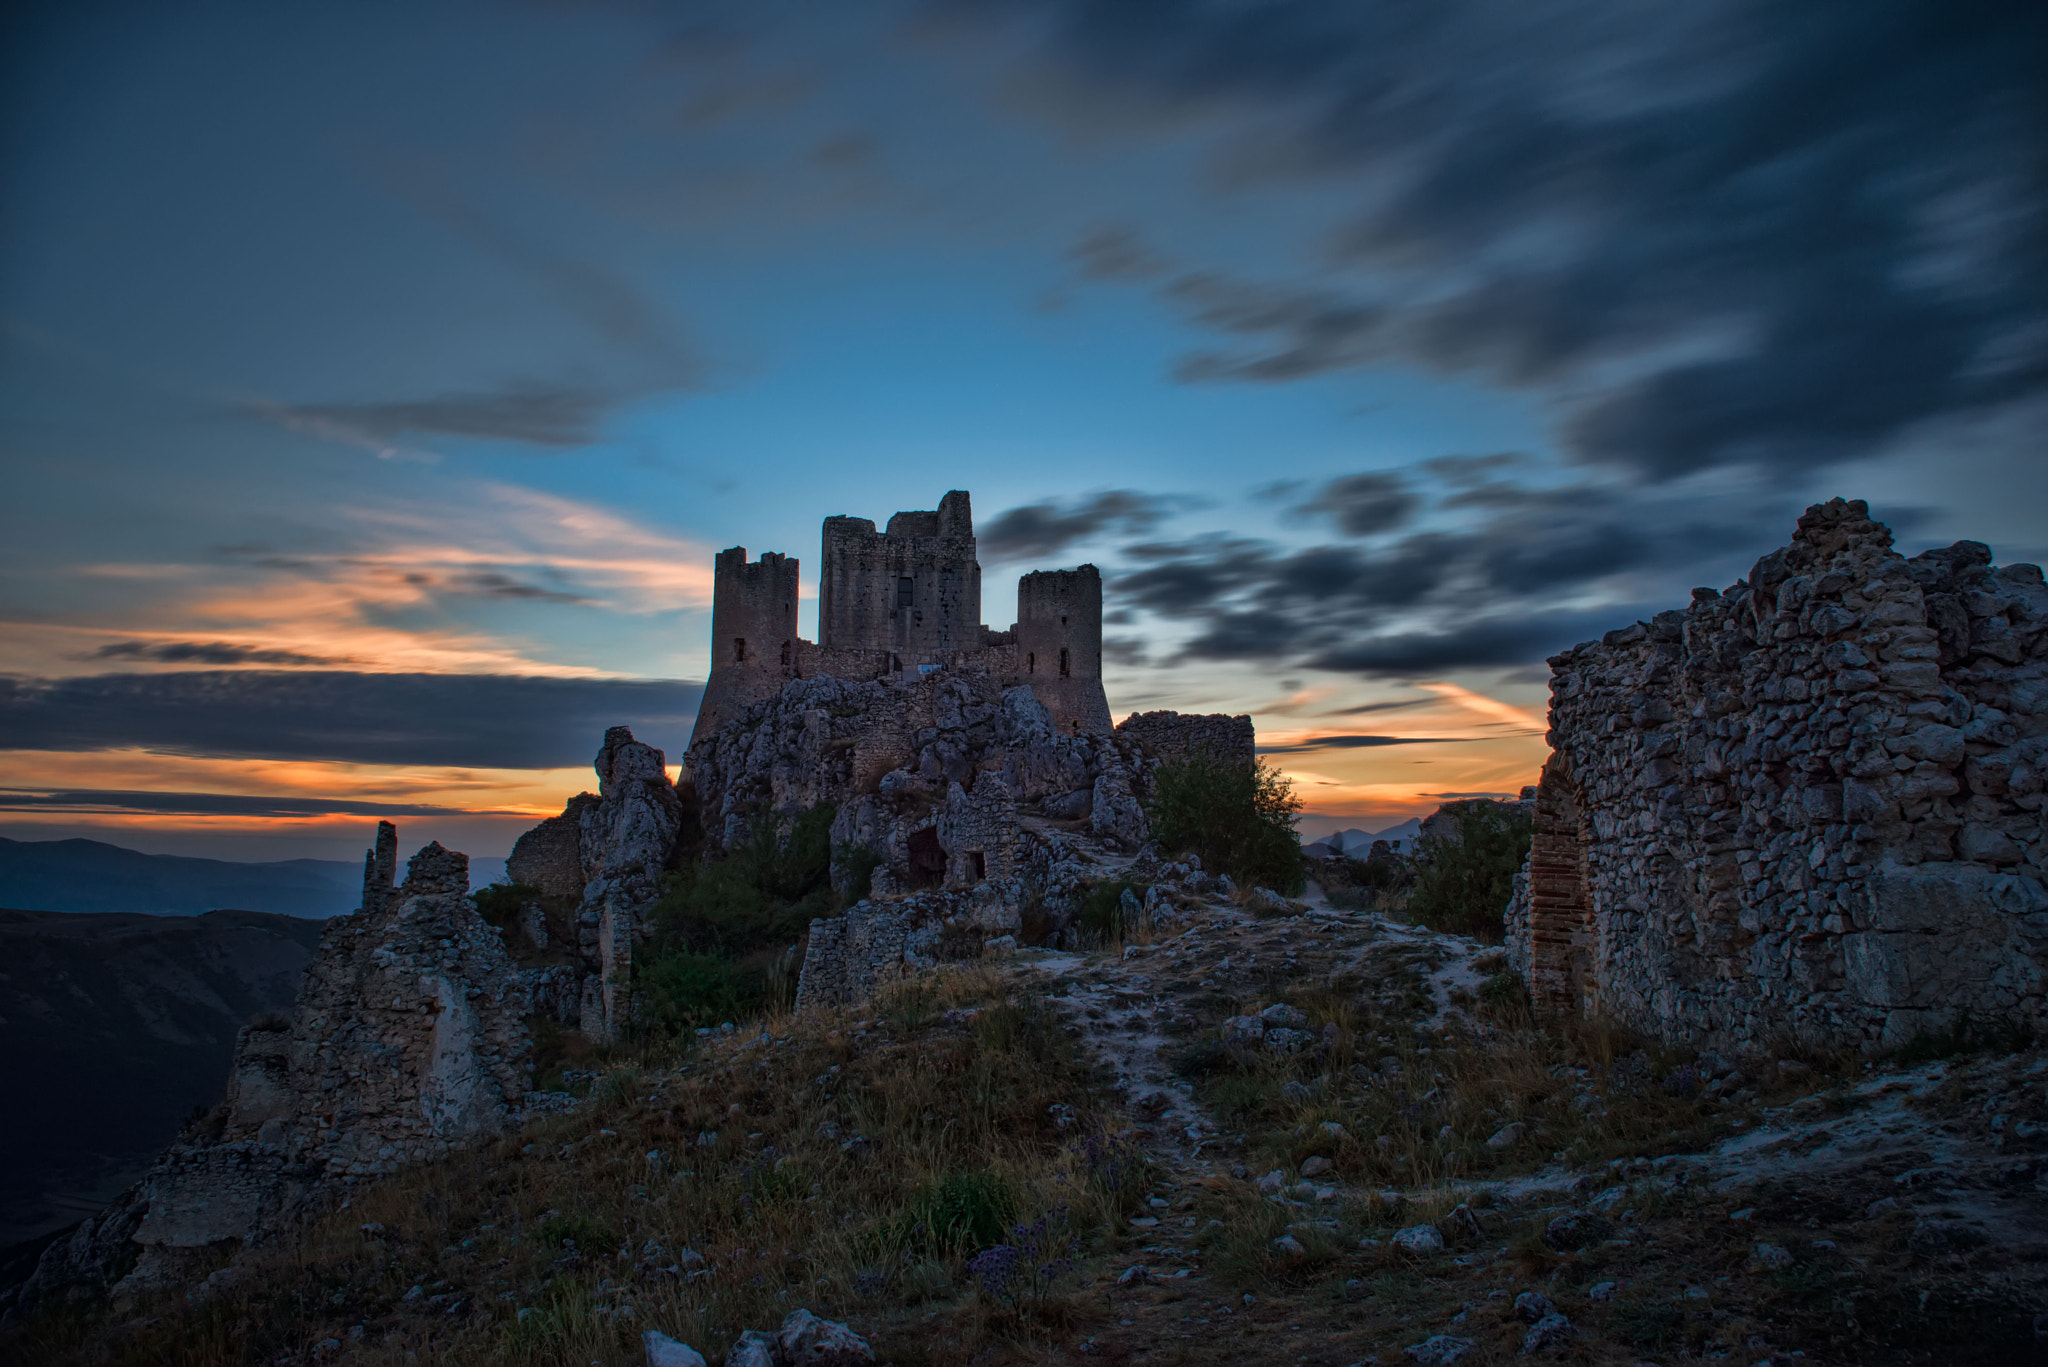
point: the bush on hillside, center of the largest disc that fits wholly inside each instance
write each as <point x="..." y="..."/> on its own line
<point x="722" y="930"/>
<point x="1463" y="885"/>
<point x="500" y="903"/>
<point x="1238" y="818"/>
<point x="763" y="894"/>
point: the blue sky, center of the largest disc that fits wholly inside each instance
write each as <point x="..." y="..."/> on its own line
<point x="346" y="343"/>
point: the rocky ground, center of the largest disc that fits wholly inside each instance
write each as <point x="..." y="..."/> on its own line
<point x="1306" y="1135"/>
<point x="1824" y="1211"/>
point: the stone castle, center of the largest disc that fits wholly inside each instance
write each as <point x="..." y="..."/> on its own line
<point x="1808" y="807"/>
<point x="898" y="603"/>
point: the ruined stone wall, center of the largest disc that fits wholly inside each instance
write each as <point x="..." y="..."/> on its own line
<point x="550" y="856"/>
<point x="409" y="1040"/>
<point x="753" y="632"/>
<point x="879" y="942"/>
<point x="1810" y="805"/>
<point x="913" y="590"/>
<point x="1169" y="736"/>
<point x="1059" y="646"/>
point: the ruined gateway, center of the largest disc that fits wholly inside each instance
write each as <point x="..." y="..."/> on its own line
<point x="1808" y="807"/>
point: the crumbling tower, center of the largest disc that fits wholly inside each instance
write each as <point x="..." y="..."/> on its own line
<point x="753" y="633"/>
<point x="380" y="866"/>
<point x="913" y="590"/>
<point x="1059" y="646"/>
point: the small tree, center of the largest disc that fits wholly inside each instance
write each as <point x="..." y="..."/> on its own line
<point x="1238" y="818"/>
<point x="1463" y="884"/>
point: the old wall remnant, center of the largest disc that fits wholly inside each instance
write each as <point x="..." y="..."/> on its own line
<point x="1808" y="806"/>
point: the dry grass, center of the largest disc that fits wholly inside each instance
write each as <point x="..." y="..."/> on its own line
<point x="553" y="1246"/>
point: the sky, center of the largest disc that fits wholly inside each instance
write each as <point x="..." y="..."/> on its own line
<point x="377" y="381"/>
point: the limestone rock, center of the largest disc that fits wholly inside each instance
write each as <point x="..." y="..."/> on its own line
<point x="807" y="1341"/>
<point x="663" y="1351"/>
<point x="1419" y="1239"/>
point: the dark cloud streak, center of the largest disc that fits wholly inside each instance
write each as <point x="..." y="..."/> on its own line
<point x="1043" y="529"/>
<point x="1743" y="237"/>
<point x="495" y="721"/>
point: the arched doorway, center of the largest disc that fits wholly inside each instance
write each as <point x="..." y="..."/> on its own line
<point x="1560" y="903"/>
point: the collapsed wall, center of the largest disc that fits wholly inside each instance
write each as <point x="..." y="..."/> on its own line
<point x="408" y="1040"/>
<point x="1809" y="806"/>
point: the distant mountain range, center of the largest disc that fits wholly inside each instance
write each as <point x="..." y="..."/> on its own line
<point x="114" y="1028"/>
<point x="1355" y="843"/>
<point x="89" y="875"/>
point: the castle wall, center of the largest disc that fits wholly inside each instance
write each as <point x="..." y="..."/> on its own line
<point x="1810" y="806"/>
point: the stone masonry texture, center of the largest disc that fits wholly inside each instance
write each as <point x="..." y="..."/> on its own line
<point x="1808" y="807"/>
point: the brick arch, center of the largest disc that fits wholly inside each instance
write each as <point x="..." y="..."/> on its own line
<point x="1560" y="897"/>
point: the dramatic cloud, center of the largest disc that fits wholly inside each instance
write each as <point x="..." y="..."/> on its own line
<point x="1365" y="505"/>
<point x="490" y="721"/>
<point x="1042" y="529"/>
<point x="1728" y="237"/>
<point x="1302" y="747"/>
<point x="1537" y="570"/>
<point x="206" y="653"/>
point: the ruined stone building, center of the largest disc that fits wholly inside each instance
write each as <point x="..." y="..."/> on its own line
<point x="1808" y="806"/>
<point x="409" y="1039"/>
<point x="896" y="603"/>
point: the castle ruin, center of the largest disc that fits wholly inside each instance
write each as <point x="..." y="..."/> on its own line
<point x="898" y="603"/>
<point x="1808" y="807"/>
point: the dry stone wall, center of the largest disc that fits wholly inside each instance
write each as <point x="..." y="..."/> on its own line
<point x="1808" y="806"/>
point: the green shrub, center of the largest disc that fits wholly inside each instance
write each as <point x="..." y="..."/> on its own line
<point x="1238" y="818"/>
<point x="499" y="903"/>
<point x="1100" y="917"/>
<point x="1463" y="885"/>
<point x="964" y="1212"/>
<point x="681" y="991"/>
<point x="859" y="863"/>
<point x="763" y="894"/>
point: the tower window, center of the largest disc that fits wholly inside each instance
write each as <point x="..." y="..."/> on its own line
<point x="1063" y="662"/>
<point x="739" y="650"/>
<point x="905" y="590"/>
<point x="785" y="655"/>
<point x="1031" y="663"/>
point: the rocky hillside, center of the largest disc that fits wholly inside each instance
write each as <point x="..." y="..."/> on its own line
<point x="115" y="1028"/>
<point x="90" y="875"/>
<point x="1298" y="1135"/>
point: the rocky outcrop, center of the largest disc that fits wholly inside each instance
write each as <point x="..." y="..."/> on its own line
<point x="1810" y="805"/>
<point x="408" y="1040"/>
<point x="628" y="836"/>
<point x="930" y="775"/>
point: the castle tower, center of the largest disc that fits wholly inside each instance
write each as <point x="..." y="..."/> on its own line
<point x="913" y="590"/>
<point x="1059" y="646"/>
<point x="753" y="634"/>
